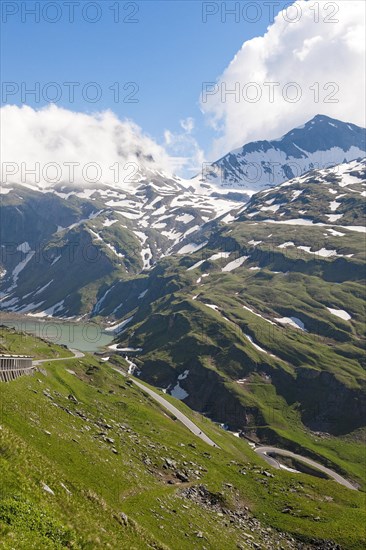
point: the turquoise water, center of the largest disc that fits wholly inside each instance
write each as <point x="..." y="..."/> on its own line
<point x="87" y="336"/>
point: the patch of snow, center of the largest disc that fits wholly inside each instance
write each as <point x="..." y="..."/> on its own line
<point x="288" y="469"/>
<point x="340" y="313"/>
<point x="56" y="260"/>
<point x="286" y="245"/>
<point x="5" y="190"/>
<point x="147" y="256"/>
<point x="296" y="194"/>
<point x="273" y="208"/>
<point x="234" y="264"/>
<point x="335" y="233"/>
<point x="256" y="345"/>
<point x="117" y="328"/>
<point x="159" y="225"/>
<point x="258" y="314"/>
<point x="43" y="288"/>
<point x="196" y="265"/>
<point x="334" y="205"/>
<point x="111" y="247"/>
<point x="66" y="489"/>
<point x="108" y="223"/>
<point x="357" y="228"/>
<point x="24" y="247"/>
<point x="185" y="218"/>
<point x="99" y="303"/>
<point x="191" y="230"/>
<point x="212" y="306"/>
<point x="334" y="217"/>
<point x="132" y="368"/>
<point x="254" y="243"/>
<point x="47" y="489"/>
<point x="29" y="307"/>
<point x="219" y="256"/>
<point x="178" y="392"/>
<point x="21" y="265"/>
<point x="191" y="247"/>
<point x="292" y="321"/>
<point x="228" y="218"/>
<point x="323" y="252"/>
<point x="295" y="221"/>
<point x="50" y="311"/>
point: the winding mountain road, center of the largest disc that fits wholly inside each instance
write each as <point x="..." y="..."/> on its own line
<point x="263" y="452"/>
<point x="77" y="355"/>
<point x="160" y="399"/>
<point x="176" y="412"/>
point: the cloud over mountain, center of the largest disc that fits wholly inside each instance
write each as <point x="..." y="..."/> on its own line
<point x="72" y="147"/>
<point x="307" y="62"/>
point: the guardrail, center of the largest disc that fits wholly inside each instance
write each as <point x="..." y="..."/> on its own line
<point x="12" y="367"/>
<point x="12" y="374"/>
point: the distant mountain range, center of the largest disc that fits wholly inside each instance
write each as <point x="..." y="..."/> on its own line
<point x="66" y="250"/>
<point x="320" y="143"/>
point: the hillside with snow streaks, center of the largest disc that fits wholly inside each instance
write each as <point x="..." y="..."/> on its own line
<point x="84" y="242"/>
<point x="129" y="229"/>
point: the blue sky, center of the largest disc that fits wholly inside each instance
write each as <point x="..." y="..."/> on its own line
<point x="168" y="53"/>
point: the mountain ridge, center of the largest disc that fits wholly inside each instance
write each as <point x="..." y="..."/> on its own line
<point x="320" y="143"/>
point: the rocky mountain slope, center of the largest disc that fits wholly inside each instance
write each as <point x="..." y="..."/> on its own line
<point x="262" y="328"/>
<point x="321" y="143"/>
<point x="60" y="246"/>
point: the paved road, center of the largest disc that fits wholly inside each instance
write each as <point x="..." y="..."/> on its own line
<point x="77" y="355"/>
<point x="262" y="451"/>
<point x="176" y="412"/>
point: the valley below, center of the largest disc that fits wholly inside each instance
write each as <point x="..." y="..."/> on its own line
<point x="84" y="336"/>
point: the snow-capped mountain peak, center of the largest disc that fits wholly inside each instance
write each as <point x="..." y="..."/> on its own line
<point x="320" y="143"/>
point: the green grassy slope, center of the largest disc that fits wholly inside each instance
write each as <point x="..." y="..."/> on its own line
<point x="89" y="461"/>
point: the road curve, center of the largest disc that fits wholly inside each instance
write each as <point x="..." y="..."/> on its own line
<point x="77" y="355"/>
<point x="262" y="451"/>
<point x="176" y="412"/>
<point x="164" y="402"/>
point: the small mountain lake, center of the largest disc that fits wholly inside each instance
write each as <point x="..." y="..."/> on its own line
<point x="84" y="336"/>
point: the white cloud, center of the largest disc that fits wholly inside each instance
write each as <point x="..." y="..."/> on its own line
<point x="305" y="52"/>
<point x="188" y="124"/>
<point x="58" y="136"/>
<point x="184" y="149"/>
